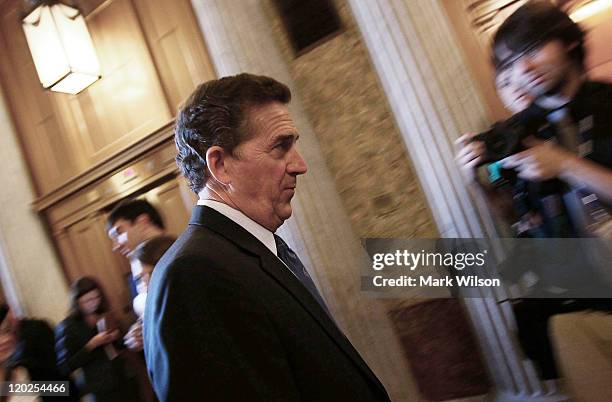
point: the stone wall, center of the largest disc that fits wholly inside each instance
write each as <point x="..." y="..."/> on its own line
<point x="354" y="125"/>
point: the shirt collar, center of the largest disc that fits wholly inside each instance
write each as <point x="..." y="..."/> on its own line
<point x="261" y="233"/>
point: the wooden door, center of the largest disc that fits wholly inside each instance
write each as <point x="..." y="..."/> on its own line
<point x="173" y="206"/>
<point x="86" y="249"/>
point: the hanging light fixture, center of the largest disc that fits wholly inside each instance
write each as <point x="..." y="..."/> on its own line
<point x="61" y="47"/>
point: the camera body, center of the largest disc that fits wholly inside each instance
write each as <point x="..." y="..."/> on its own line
<point x="505" y="138"/>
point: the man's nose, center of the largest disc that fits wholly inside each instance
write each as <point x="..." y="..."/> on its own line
<point x="297" y="165"/>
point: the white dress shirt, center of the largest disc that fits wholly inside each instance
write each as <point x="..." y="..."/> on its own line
<point x="261" y="233"/>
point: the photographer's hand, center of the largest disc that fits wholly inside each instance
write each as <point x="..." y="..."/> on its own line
<point x="543" y="160"/>
<point x="469" y="155"/>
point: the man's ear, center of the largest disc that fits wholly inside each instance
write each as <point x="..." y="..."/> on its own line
<point x="217" y="160"/>
<point x="142" y="218"/>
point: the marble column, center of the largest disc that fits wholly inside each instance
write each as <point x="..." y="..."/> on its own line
<point x="31" y="275"/>
<point x="240" y="39"/>
<point x="434" y="99"/>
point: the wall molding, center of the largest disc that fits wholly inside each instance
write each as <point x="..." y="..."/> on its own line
<point x="106" y="168"/>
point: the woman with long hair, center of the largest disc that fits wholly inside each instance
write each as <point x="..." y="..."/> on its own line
<point x="87" y="340"/>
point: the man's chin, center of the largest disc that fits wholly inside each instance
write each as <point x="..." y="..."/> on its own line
<point x="549" y="89"/>
<point x="285" y="213"/>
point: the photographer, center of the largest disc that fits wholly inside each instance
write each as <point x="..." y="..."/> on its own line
<point x="561" y="179"/>
<point x="540" y="53"/>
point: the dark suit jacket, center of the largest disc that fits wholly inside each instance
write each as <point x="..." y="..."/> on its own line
<point x="225" y="320"/>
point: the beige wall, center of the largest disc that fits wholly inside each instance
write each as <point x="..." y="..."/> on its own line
<point x="599" y="51"/>
<point x="360" y="142"/>
<point x="29" y="269"/>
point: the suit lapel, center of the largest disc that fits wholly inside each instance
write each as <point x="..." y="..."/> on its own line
<point x="208" y="217"/>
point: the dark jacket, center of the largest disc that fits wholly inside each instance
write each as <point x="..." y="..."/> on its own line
<point x="100" y="374"/>
<point x="226" y="321"/>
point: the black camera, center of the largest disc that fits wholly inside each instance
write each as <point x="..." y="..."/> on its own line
<point x="506" y="138"/>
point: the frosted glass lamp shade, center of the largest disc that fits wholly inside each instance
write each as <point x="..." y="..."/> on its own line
<point x="62" y="48"/>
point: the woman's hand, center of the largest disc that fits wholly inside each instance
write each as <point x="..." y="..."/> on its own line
<point x="101" y="339"/>
<point x="133" y="339"/>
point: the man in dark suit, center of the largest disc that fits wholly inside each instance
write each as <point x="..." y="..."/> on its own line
<point x="232" y="314"/>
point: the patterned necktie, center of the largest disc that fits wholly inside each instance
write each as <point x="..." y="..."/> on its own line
<point x="295" y="265"/>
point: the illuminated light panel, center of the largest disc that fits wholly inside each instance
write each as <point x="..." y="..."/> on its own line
<point x="62" y="48"/>
<point x="590" y="9"/>
<point x="74" y="83"/>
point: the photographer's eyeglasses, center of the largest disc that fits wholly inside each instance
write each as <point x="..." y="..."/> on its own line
<point x="529" y="52"/>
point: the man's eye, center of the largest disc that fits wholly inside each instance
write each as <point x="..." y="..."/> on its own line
<point x="284" y="144"/>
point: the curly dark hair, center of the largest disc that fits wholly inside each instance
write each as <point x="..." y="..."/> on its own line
<point x="215" y="114"/>
<point x="536" y="22"/>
